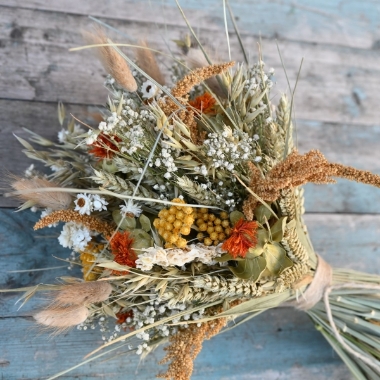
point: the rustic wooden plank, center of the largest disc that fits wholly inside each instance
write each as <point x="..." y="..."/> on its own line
<point x="241" y="353"/>
<point x="337" y="83"/>
<point x="37" y="117"/>
<point x="347" y="23"/>
<point x="298" y="351"/>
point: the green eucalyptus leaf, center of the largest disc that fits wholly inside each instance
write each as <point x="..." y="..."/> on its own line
<point x="262" y="237"/>
<point x="243" y="269"/>
<point x="145" y="223"/>
<point x="249" y="269"/>
<point x="141" y="239"/>
<point x="127" y="224"/>
<point x="278" y="229"/>
<point x="235" y="216"/>
<point x="254" y="252"/>
<point x="224" y="258"/>
<point x="276" y="258"/>
<point x="262" y="214"/>
<point x="227" y="257"/>
<point x="259" y="264"/>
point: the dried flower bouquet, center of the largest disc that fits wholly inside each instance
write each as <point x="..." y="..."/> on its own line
<point x="184" y="209"/>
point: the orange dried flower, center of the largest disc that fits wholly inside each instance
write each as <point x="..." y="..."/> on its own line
<point x="243" y="236"/>
<point x="122" y="316"/>
<point x="204" y="103"/>
<point x="121" y="246"/>
<point x="104" y="147"/>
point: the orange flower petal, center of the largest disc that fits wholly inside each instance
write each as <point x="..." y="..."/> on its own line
<point x="243" y="236"/>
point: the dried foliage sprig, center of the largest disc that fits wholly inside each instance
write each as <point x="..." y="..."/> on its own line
<point x="196" y="76"/>
<point x="185" y="346"/>
<point x="91" y="222"/>
<point x="297" y="170"/>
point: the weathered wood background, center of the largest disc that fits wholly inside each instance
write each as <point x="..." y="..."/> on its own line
<point x="337" y="111"/>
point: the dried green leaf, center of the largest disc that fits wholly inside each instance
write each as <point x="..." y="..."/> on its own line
<point x="145" y="223"/>
<point x="235" y="216"/>
<point x="278" y="229"/>
<point x="227" y="257"/>
<point x="249" y="269"/>
<point x="254" y="252"/>
<point x="141" y="239"/>
<point x="262" y="214"/>
<point x="125" y="223"/>
<point x="276" y="259"/>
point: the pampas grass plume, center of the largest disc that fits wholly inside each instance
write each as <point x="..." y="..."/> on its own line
<point x="82" y="293"/>
<point x="147" y="62"/>
<point x="54" y="200"/>
<point x="112" y="61"/>
<point x="62" y="318"/>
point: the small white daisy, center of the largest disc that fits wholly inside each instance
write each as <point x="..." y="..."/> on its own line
<point x="83" y="204"/>
<point x="131" y="208"/>
<point x="148" y="89"/>
<point x="99" y="203"/>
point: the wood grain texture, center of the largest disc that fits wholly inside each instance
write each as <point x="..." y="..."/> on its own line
<point x="337" y="112"/>
<point x="338" y="83"/>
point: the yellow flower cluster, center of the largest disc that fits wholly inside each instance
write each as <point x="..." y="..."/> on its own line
<point x="212" y="230"/>
<point x="174" y="222"/>
<point x="87" y="257"/>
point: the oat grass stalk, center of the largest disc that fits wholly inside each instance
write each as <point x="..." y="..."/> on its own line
<point x="113" y="194"/>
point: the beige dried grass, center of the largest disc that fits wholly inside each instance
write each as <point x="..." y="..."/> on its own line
<point x="82" y="294"/>
<point x="112" y="61"/>
<point x="61" y="318"/>
<point x="54" y="200"/>
<point x="148" y="63"/>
